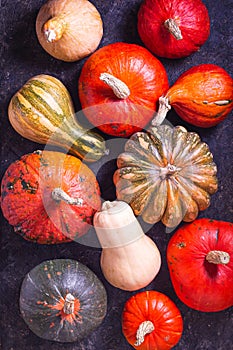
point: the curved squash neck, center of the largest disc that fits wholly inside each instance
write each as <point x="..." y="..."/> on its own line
<point x="116" y="226"/>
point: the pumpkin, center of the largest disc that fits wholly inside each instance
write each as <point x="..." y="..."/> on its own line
<point x="49" y="197"/>
<point x="69" y="30"/>
<point x="173" y="28"/>
<point x="121" y="84"/>
<point x="42" y="111"/>
<point x="151" y="321"/>
<point x="130" y="260"/>
<point x="200" y="261"/>
<point x="62" y="300"/>
<point x="202" y="96"/>
<point x="166" y="174"/>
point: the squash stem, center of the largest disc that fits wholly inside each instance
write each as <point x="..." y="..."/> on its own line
<point x="164" y="107"/>
<point x="119" y="88"/>
<point x="173" y="28"/>
<point x="218" y="257"/>
<point x="53" y="29"/>
<point x="145" y="328"/>
<point x="68" y="307"/>
<point x="59" y="195"/>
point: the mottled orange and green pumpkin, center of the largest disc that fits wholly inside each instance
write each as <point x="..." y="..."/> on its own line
<point x="49" y="197"/>
<point x="166" y="174"/>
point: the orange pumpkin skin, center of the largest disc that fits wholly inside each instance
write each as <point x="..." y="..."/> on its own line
<point x="202" y="284"/>
<point x="28" y="203"/>
<point x="203" y="95"/>
<point x="158" y="309"/>
<point x="145" y="77"/>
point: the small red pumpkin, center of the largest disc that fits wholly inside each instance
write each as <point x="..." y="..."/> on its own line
<point x="49" y="197"/>
<point x="200" y="261"/>
<point x="202" y="96"/>
<point x="151" y="321"/>
<point x="173" y="28"/>
<point x="121" y="84"/>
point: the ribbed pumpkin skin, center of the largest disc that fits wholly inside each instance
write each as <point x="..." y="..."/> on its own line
<point x="145" y="77"/>
<point x="166" y="174"/>
<point x="42" y="296"/>
<point x="28" y="205"/>
<point x="200" y="284"/>
<point x="161" y="311"/>
<point x="191" y="17"/>
<point x="42" y="111"/>
<point x="203" y="95"/>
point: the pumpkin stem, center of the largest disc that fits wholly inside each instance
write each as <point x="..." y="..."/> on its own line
<point x="53" y="29"/>
<point x="164" y="107"/>
<point x="145" y="327"/>
<point x="68" y="307"/>
<point x="59" y="195"/>
<point x="173" y="28"/>
<point x="119" y="88"/>
<point x="218" y="257"/>
<point x="170" y="169"/>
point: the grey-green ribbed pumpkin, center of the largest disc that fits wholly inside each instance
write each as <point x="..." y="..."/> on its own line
<point x="62" y="300"/>
<point x="42" y="111"/>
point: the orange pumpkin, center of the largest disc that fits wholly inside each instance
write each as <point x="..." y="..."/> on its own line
<point x="202" y="96"/>
<point x="49" y="197"/>
<point x="151" y="321"/>
<point x="121" y="84"/>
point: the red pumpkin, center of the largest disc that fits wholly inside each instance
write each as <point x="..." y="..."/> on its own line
<point x="200" y="261"/>
<point x="121" y="84"/>
<point x="202" y="96"/>
<point x="151" y="321"/>
<point x="49" y="197"/>
<point x="173" y="28"/>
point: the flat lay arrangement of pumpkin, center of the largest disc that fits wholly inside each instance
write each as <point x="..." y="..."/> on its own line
<point x="166" y="174"/>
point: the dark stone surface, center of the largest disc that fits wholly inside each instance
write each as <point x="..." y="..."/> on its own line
<point x="21" y="58"/>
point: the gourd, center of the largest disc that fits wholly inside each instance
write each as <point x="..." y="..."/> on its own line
<point x="49" y="197"/>
<point x="166" y="174"/>
<point x="62" y="300"/>
<point x="200" y="261"/>
<point x="151" y="321"/>
<point x="202" y="96"/>
<point x="119" y="87"/>
<point x="42" y="111"/>
<point x="69" y="30"/>
<point x="173" y="28"/>
<point x="130" y="260"/>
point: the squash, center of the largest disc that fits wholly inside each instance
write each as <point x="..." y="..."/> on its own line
<point x="151" y="321"/>
<point x="200" y="261"/>
<point x="119" y="87"/>
<point x="62" y="300"/>
<point x="202" y="96"/>
<point x="130" y="260"/>
<point x="166" y="174"/>
<point x="49" y="197"/>
<point x="69" y="30"/>
<point x="173" y="28"/>
<point x="42" y="111"/>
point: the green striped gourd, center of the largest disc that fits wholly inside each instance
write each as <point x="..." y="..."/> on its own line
<point x="42" y="111"/>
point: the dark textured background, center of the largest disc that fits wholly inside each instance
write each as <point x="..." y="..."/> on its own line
<point x="21" y="58"/>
